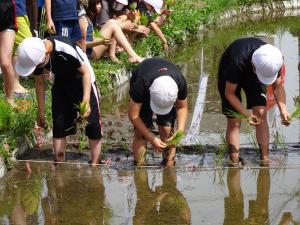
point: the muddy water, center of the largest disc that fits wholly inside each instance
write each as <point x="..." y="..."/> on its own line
<point x="199" y="190"/>
<point x="78" y="194"/>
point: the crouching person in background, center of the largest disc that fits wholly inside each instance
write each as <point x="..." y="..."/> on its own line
<point x="74" y="84"/>
<point x="157" y="86"/>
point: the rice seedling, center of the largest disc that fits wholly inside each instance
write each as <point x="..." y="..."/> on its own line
<point x="141" y="157"/>
<point x="296" y="113"/>
<point x="175" y="139"/>
<point x="253" y="142"/>
<point x="279" y="140"/>
<point x="238" y="115"/>
<point x="133" y="6"/>
<point x="144" y="19"/>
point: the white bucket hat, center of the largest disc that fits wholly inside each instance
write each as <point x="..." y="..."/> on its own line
<point x="267" y="61"/>
<point x="31" y="52"/>
<point x="163" y="94"/>
<point x="156" y="4"/>
<point x="124" y="2"/>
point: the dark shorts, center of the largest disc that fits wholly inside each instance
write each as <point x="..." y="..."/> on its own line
<point x="68" y="28"/>
<point x="65" y="96"/>
<point x="255" y="95"/>
<point x="167" y="120"/>
<point x="8" y="16"/>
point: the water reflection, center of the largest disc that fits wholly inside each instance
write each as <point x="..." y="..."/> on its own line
<point x="162" y="204"/>
<point x="258" y="208"/>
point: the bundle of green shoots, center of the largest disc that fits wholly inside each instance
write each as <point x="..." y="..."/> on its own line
<point x="144" y="19"/>
<point x="238" y="115"/>
<point x="296" y="113"/>
<point x="175" y="139"/>
<point x="81" y="123"/>
<point x="133" y="6"/>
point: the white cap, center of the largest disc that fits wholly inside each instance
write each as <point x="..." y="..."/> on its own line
<point x="267" y="61"/>
<point x="156" y="4"/>
<point x="31" y="52"/>
<point x="124" y="2"/>
<point x="163" y="94"/>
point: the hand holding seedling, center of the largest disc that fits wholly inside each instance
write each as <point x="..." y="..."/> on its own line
<point x="158" y="144"/>
<point x="286" y="117"/>
<point x="254" y="120"/>
<point x="84" y="109"/>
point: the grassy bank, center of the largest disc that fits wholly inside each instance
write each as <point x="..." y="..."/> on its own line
<point x="187" y="20"/>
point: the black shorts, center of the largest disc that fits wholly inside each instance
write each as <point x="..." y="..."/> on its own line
<point x="65" y="96"/>
<point x="167" y="120"/>
<point x="8" y="16"/>
<point x="255" y="95"/>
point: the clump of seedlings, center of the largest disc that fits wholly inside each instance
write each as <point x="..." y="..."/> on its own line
<point x="81" y="123"/>
<point x="280" y="141"/>
<point x="175" y="139"/>
<point x="141" y="157"/>
<point x="253" y="142"/>
<point x="238" y="115"/>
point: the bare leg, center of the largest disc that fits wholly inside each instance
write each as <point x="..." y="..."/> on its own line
<point x="170" y="152"/>
<point x="233" y="138"/>
<point x="112" y="29"/>
<point x="112" y="51"/>
<point x="95" y="147"/>
<point x="139" y="147"/>
<point x="59" y="145"/>
<point x="262" y="132"/>
<point x="7" y="39"/>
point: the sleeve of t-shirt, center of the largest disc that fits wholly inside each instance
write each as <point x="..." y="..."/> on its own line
<point x="182" y="93"/>
<point x="138" y="90"/>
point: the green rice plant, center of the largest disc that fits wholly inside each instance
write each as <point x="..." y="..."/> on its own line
<point x="6" y="116"/>
<point x="296" y="113"/>
<point x="235" y="114"/>
<point x="144" y="19"/>
<point x="175" y="138"/>
<point x="133" y="6"/>
<point x="279" y="140"/>
<point x="219" y="177"/>
<point x="238" y="115"/>
<point x="253" y="142"/>
<point x="141" y="157"/>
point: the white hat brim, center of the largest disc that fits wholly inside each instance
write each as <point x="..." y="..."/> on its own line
<point x="159" y="110"/>
<point x="24" y="71"/>
<point x="266" y="81"/>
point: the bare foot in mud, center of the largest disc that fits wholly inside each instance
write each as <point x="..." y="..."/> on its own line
<point x="136" y="59"/>
<point x="265" y="163"/>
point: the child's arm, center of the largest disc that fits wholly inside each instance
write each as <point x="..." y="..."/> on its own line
<point x="83" y="23"/>
<point x="40" y="96"/>
<point x="50" y="23"/>
<point x="160" y="34"/>
<point x="86" y="83"/>
<point x="181" y="111"/>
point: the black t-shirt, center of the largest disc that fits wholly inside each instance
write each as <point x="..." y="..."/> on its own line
<point x="64" y="60"/>
<point x="147" y="72"/>
<point x="235" y="65"/>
